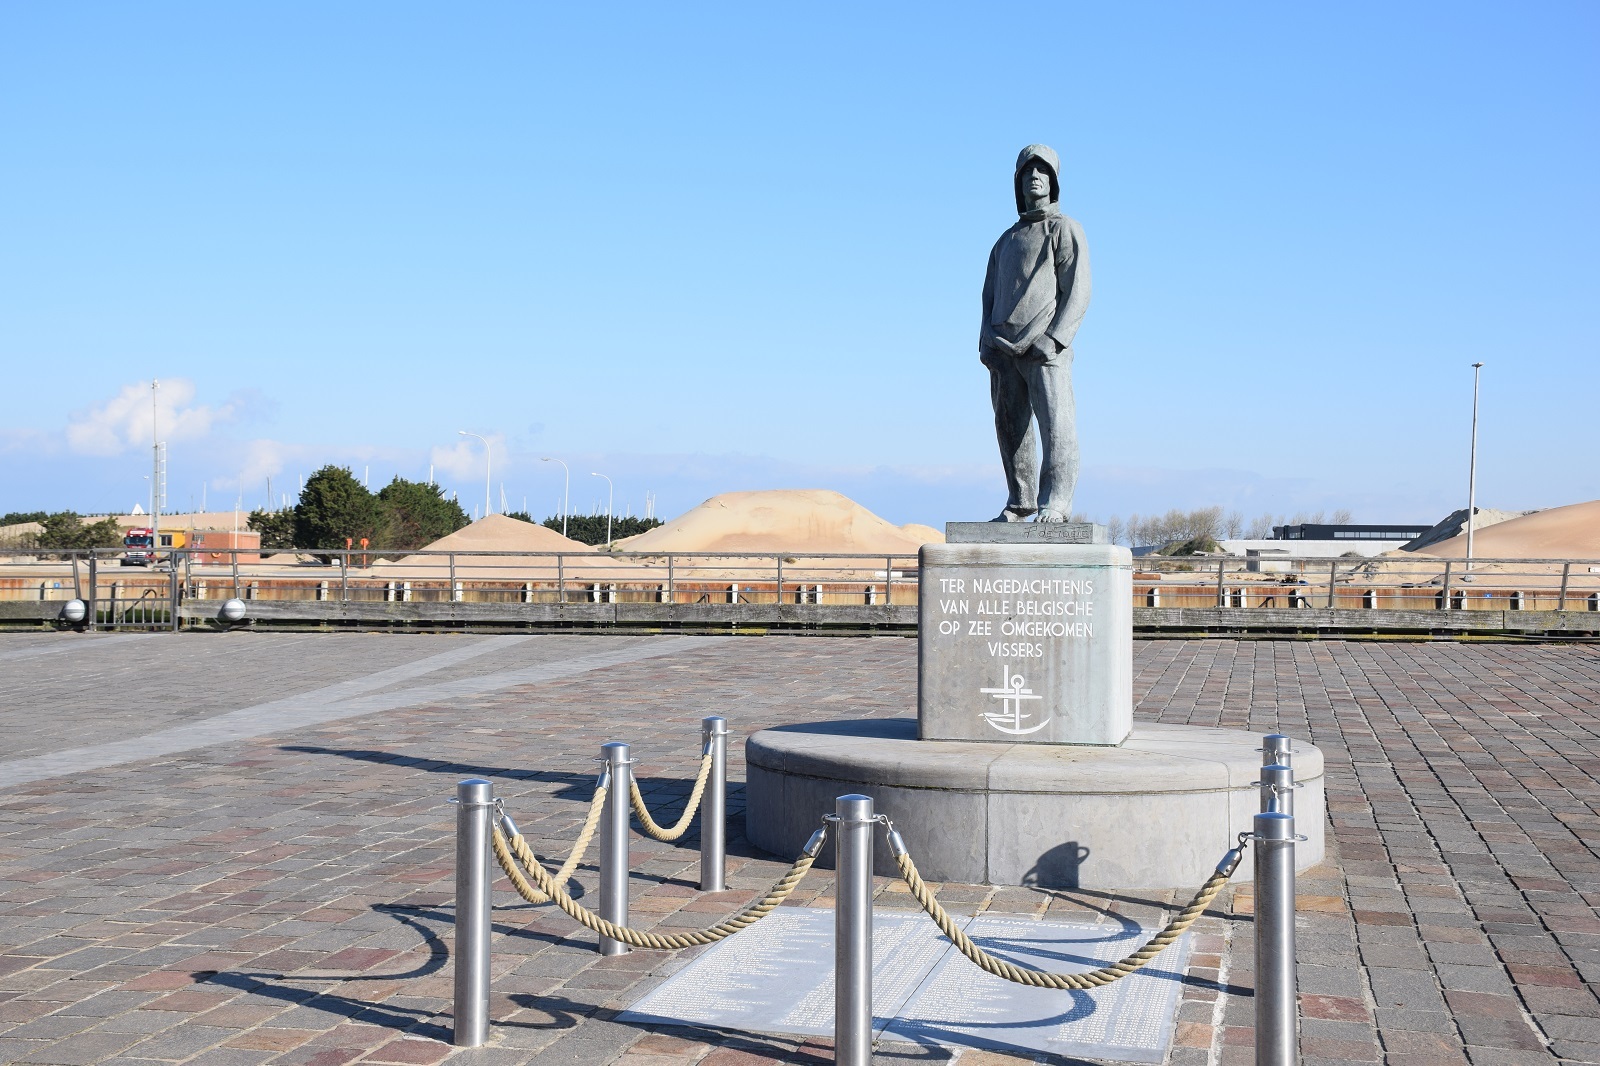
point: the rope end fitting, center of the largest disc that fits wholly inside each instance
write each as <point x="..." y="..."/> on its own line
<point x="508" y="827"/>
<point x="897" y="843"/>
<point x="1230" y="862"/>
<point x="813" y="846"/>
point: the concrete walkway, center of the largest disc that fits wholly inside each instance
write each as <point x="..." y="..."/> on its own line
<point x="235" y="849"/>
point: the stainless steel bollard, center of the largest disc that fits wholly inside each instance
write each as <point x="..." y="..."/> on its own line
<point x="1277" y="750"/>
<point x="475" y="802"/>
<point x="1277" y="1021"/>
<point x="614" y="834"/>
<point x="714" y="806"/>
<point x="852" y="931"/>
<point x="1277" y="789"/>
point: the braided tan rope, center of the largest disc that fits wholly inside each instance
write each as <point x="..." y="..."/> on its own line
<point x="649" y="823"/>
<point x="548" y="887"/>
<point x="1043" y="979"/>
<point x="579" y="846"/>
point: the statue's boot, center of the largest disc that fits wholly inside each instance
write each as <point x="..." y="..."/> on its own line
<point x="1010" y="515"/>
<point x="1050" y="514"/>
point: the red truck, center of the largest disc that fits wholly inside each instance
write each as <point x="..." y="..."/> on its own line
<point x="141" y="545"/>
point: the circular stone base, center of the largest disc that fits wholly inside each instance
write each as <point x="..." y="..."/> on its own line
<point x="1158" y="811"/>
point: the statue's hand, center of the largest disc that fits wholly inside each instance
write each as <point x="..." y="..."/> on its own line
<point x="1047" y="347"/>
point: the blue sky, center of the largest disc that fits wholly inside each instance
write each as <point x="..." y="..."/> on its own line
<point x="704" y="248"/>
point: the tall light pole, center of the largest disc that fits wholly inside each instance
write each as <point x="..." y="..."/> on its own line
<point x="488" y="457"/>
<point x="1472" y="464"/>
<point x="155" y="472"/>
<point x="611" y="495"/>
<point x="565" y="491"/>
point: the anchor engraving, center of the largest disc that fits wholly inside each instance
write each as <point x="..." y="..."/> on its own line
<point x="1011" y="694"/>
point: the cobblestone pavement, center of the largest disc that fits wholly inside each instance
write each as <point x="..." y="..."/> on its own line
<point x="279" y="890"/>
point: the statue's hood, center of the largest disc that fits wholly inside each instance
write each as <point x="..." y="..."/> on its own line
<point x="1048" y="157"/>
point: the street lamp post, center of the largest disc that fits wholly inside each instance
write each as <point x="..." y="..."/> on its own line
<point x="1472" y="464"/>
<point x="155" y="473"/>
<point x="611" y="496"/>
<point x="488" y="457"/>
<point x="565" y="491"/>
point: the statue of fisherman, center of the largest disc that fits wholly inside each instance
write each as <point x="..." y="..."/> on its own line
<point x="1034" y="295"/>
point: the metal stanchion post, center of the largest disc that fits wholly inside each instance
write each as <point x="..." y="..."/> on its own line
<point x="614" y="844"/>
<point x="475" y="799"/>
<point x="714" y="807"/>
<point x="852" y="931"/>
<point x="1277" y="789"/>
<point x="1277" y="1024"/>
<point x="94" y="583"/>
<point x="1277" y="750"/>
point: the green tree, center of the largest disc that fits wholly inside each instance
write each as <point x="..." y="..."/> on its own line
<point x="591" y="528"/>
<point x="413" y="514"/>
<point x="334" y="506"/>
<point x="276" y="527"/>
<point x="65" y="529"/>
<point x="16" y="518"/>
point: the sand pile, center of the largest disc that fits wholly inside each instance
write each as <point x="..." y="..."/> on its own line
<point x="1455" y="523"/>
<point x="925" y="534"/>
<point x="1570" y="532"/>
<point x="797" y="522"/>
<point x="17" y="532"/>
<point x="497" y="533"/>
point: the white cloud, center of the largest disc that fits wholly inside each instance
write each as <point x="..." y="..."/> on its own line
<point x="264" y="459"/>
<point x="463" y="460"/>
<point x="126" y="421"/>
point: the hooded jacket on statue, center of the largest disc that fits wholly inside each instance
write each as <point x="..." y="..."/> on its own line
<point x="1037" y="285"/>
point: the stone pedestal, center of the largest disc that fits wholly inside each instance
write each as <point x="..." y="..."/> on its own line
<point x="1027" y="638"/>
<point x="1024" y="766"/>
<point x="1158" y="811"/>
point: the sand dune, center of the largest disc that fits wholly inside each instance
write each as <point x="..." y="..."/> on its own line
<point x="794" y="521"/>
<point x="1570" y="532"/>
<point x="497" y="533"/>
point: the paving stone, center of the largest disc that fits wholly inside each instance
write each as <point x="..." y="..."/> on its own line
<point x="80" y="1050"/>
<point x="1460" y="832"/>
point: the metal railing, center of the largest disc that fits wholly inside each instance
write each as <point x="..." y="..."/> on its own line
<point x="372" y="586"/>
<point x="1414" y="583"/>
<point x="355" y="576"/>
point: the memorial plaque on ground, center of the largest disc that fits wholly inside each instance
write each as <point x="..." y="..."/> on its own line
<point x="1130" y="1020"/>
<point x="1025" y="642"/>
<point x="777" y="977"/>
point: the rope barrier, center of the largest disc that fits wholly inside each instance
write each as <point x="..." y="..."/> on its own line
<point x="597" y="804"/>
<point x="1044" y="979"/>
<point x="511" y="850"/>
<point x="649" y="823"/>
<point x="515" y="856"/>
